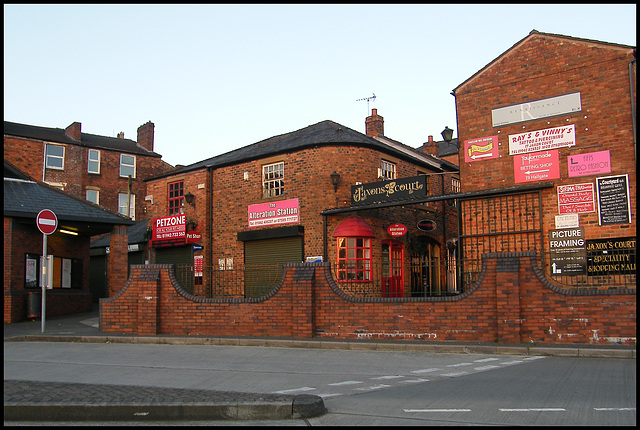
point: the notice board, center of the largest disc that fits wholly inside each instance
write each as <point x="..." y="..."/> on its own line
<point x="613" y="200"/>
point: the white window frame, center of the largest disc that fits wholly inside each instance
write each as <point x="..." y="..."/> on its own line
<point x="86" y="195"/>
<point x="122" y="205"/>
<point x="90" y="161"/>
<point x="51" y="157"/>
<point x="122" y="165"/>
<point x="273" y="179"/>
<point x="387" y="170"/>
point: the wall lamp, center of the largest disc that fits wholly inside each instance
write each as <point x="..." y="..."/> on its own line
<point x="72" y="233"/>
<point x="447" y="134"/>
<point x="335" y="180"/>
<point x="190" y="198"/>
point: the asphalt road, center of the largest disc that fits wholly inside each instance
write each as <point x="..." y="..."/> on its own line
<point x="358" y="387"/>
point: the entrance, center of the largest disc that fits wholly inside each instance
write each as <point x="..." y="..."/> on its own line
<point x="392" y="269"/>
<point x="425" y="267"/>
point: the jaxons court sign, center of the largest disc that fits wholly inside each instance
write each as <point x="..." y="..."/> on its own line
<point x="389" y="191"/>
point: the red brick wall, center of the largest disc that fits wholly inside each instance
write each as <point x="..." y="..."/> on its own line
<point x="512" y="303"/>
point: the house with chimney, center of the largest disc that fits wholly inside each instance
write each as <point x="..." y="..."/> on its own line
<point x="109" y="171"/>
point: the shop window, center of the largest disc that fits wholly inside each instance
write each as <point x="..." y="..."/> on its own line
<point x="176" y="197"/>
<point x="127" y="166"/>
<point x="273" y="180"/>
<point x="354" y="259"/>
<point x="93" y="196"/>
<point x="387" y="170"/>
<point x="129" y="211"/>
<point x="54" y="156"/>
<point x="67" y="272"/>
<point x="93" y="163"/>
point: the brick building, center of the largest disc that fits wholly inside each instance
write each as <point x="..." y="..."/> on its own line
<point x="291" y="197"/>
<point x="88" y="166"/>
<point x="556" y="113"/>
<point x="68" y="245"/>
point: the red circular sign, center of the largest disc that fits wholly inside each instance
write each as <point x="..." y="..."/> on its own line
<point x="46" y="221"/>
<point x="397" y="230"/>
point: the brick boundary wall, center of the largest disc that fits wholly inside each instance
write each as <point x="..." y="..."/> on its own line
<point x="512" y="302"/>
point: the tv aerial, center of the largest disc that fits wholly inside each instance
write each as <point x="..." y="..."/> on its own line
<point x="368" y="99"/>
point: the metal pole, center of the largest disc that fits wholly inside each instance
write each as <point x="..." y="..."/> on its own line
<point x="44" y="277"/>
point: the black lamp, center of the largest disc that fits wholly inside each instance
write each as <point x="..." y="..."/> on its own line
<point x="447" y="134"/>
<point x="335" y="180"/>
<point x="189" y="199"/>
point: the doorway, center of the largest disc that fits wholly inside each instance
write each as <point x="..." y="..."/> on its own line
<point x="426" y="278"/>
<point x="392" y="269"/>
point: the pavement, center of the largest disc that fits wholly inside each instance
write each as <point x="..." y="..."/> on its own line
<point x="49" y="401"/>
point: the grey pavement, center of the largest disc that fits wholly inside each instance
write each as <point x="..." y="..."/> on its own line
<point x="55" y="401"/>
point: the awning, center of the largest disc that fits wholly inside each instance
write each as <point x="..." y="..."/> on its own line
<point x="353" y="227"/>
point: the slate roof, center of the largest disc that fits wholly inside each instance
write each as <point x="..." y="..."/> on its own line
<point x="58" y="135"/>
<point x="137" y="234"/>
<point x="323" y="133"/>
<point x="24" y="199"/>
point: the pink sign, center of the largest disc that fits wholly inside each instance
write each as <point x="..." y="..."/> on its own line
<point x="537" y="166"/>
<point x="397" y="230"/>
<point x="576" y="198"/>
<point x="592" y="163"/>
<point x="483" y="148"/>
<point x="273" y="213"/>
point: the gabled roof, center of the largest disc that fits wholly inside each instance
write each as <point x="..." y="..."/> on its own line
<point x="536" y="33"/>
<point x="323" y="133"/>
<point x="58" y="135"/>
<point x="24" y="199"/>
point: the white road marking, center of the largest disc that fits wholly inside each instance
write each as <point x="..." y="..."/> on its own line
<point x="487" y="367"/>
<point x="413" y="381"/>
<point x="459" y="364"/>
<point x="388" y="377"/>
<point x="295" y="390"/>
<point x="506" y="363"/>
<point x="534" y="410"/>
<point x="614" y="409"/>
<point x="454" y="374"/>
<point x="437" y="410"/>
<point x="484" y="360"/>
<point x="336" y="384"/>
<point x="373" y="387"/>
<point x="537" y="357"/>
<point x="425" y="370"/>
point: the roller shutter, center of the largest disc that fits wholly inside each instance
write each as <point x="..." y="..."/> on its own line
<point x="263" y="262"/>
<point x="182" y="257"/>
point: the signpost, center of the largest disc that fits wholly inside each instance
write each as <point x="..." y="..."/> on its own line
<point x="47" y="223"/>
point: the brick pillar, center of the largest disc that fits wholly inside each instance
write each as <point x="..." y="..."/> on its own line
<point x="149" y="293"/>
<point x="117" y="260"/>
<point x="508" y="298"/>
<point x="302" y="300"/>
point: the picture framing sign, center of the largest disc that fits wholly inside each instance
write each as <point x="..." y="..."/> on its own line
<point x="576" y="198"/>
<point x="567" y="252"/>
<point x="614" y="206"/>
<point x="542" y="140"/>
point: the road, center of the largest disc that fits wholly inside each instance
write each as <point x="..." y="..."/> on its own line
<point x="358" y="387"/>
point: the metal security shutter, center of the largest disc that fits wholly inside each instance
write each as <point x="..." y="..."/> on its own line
<point x="182" y="257"/>
<point x="263" y="262"/>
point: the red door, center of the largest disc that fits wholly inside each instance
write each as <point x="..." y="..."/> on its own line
<point x="392" y="271"/>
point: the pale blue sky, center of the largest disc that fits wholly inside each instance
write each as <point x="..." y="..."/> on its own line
<point x="214" y="78"/>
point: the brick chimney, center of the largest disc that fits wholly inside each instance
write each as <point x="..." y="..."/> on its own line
<point x="74" y="131"/>
<point x="121" y="135"/>
<point x="374" y="124"/>
<point x="430" y="147"/>
<point x="145" y="135"/>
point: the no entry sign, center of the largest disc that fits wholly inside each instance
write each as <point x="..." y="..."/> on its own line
<point x="46" y="221"/>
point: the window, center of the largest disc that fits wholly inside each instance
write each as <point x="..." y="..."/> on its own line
<point x="354" y="259"/>
<point x="127" y="166"/>
<point x="122" y="205"/>
<point x="67" y="272"/>
<point x="387" y="170"/>
<point x="93" y="164"/>
<point x="93" y="196"/>
<point x="176" y="198"/>
<point x="54" y="157"/>
<point x="273" y="180"/>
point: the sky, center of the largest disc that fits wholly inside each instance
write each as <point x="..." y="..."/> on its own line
<point x="215" y="78"/>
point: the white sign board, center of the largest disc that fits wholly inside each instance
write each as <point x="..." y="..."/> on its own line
<point x="542" y="140"/>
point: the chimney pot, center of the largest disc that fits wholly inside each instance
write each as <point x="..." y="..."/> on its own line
<point x="374" y="124"/>
<point x="121" y="135"/>
<point x="430" y="138"/>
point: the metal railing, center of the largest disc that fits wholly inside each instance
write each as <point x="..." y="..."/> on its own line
<point x="241" y="281"/>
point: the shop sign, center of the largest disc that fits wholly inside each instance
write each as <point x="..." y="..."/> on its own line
<point x="576" y="198"/>
<point x="193" y="237"/>
<point x="389" y="191"/>
<point x="536" y="109"/>
<point x="542" y="140"/>
<point x="614" y="206"/>
<point x="567" y="251"/>
<point x="483" y="148"/>
<point x="592" y="163"/>
<point x="197" y="247"/>
<point x="615" y="256"/>
<point x="537" y="166"/>
<point x="567" y="220"/>
<point x="169" y="227"/>
<point x="397" y="230"/>
<point x="273" y="213"/>
<point x="427" y="225"/>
